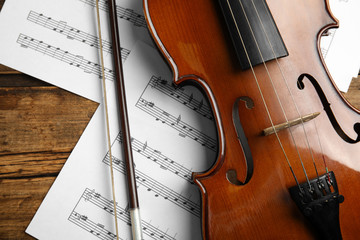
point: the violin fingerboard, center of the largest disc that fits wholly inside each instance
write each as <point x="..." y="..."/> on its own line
<point x="253" y="31"/>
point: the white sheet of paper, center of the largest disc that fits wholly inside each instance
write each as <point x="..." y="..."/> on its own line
<point x="341" y="48"/>
<point x="54" y="42"/>
<point x="79" y="203"/>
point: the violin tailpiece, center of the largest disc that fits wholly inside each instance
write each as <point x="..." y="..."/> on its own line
<point x="319" y="203"/>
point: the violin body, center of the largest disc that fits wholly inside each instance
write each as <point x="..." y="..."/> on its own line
<point x="193" y="37"/>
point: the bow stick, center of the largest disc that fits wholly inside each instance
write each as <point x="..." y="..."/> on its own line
<point x="123" y="115"/>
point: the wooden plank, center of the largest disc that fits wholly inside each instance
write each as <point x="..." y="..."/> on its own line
<point x="20" y="198"/>
<point x="39" y="127"/>
<point x="38" y="119"/>
<point x="20" y="80"/>
<point x="7" y="70"/>
<point x="35" y="164"/>
<point x="353" y="94"/>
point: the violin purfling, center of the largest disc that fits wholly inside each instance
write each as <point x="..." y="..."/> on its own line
<point x="259" y="64"/>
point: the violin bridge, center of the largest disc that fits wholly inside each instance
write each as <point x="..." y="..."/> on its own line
<point x="282" y="126"/>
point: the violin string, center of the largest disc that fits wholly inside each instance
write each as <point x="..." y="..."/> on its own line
<point x="275" y="91"/>
<point x="261" y="94"/>
<point x="322" y="154"/>
<point x="321" y="149"/>
<point x="320" y="144"/>
<point x="292" y="97"/>
<point x="319" y="141"/>
<point x="107" y="118"/>
<point x="288" y="88"/>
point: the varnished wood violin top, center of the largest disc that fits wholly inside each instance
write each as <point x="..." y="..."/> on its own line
<point x="245" y="195"/>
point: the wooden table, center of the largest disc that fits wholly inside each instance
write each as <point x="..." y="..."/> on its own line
<point x="39" y="126"/>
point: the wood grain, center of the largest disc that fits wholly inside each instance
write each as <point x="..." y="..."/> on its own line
<point x="353" y="94"/>
<point x="7" y="70"/>
<point x="52" y="113"/>
<point x="19" y="200"/>
<point x="39" y="126"/>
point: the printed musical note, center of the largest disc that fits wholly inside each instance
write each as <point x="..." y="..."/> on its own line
<point x="123" y="13"/>
<point x="58" y="47"/>
<point x="180" y="95"/>
<point x="89" y="195"/>
<point x="88" y="225"/>
<point x="324" y="51"/>
<point x="159" y="189"/>
<point x="123" y="215"/>
<point x="73" y="33"/>
<point x="326" y="41"/>
<point x="157" y="157"/>
<point x="64" y="56"/>
<point x="184" y="129"/>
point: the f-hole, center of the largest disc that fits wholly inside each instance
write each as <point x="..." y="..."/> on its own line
<point x="328" y="110"/>
<point x="231" y="174"/>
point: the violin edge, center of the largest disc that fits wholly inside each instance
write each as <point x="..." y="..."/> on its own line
<point x="203" y="87"/>
<point x="200" y="83"/>
<point x="335" y="24"/>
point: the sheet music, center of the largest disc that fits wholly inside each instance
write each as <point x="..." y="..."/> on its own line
<point x="56" y="41"/>
<point x="79" y="204"/>
<point x="63" y="50"/>
<point x="341" y="48"/>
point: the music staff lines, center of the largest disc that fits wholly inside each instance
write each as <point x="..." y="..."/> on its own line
<point x="123" y="214"/>
<point x="157" y="157"/>
<point x="64" y="56"/>
<point x="88" y="225"/>
<point x="73" y="33"/>
<point x="124" y="13"/>
<point x="159" y="189"/>
<point x="184" y="129"/>
<point x="181" y="96"/>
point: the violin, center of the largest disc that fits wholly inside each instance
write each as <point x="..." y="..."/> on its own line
<point x="288" y="142"/>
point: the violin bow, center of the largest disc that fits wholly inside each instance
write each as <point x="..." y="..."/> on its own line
<point x="123" y="117"/>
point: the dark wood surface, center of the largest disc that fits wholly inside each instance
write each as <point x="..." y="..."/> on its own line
<point x="39" y="126"/>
